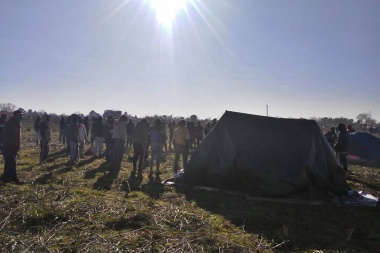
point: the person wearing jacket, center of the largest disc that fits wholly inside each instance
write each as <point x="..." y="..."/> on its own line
<point x="45" y="137"/>
<point x="108" y="126"/>
<point x="36" y="125"/>
<point x="341" y="145"/>
<point x="119" y="135"/>
<point x="73" y="139"/>
<point x="62" y="130"/>
<point x="139" y="146"/>
<point x="157" y="142"/>
<point x="98" y="133"/>
<point x="3" y="119"/>
<point x="11" y="146"/>
<point x="82" y="135"/>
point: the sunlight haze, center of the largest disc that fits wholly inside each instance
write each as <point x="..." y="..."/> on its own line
<point x="301" y="58"/>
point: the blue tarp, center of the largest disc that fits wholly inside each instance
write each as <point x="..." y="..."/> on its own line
<point x="365" y="146"/>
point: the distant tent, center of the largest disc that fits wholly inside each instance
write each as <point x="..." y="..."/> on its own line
<point x="266" y="156"/>
<point x="365" y="146"/>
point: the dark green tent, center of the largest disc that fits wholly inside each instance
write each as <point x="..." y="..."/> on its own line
<point x="266" y="156"/>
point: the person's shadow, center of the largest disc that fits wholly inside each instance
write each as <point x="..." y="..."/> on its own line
<point x="104" y="182"/>
<point x="154" y="188"/>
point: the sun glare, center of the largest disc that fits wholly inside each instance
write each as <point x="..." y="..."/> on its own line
<point x="166" y="10"/>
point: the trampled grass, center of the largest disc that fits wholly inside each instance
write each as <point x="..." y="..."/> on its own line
<point x="88" y="209"/>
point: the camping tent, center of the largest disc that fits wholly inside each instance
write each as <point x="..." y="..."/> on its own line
<point x="266" y="156"/>
<point x="365" y="146"/>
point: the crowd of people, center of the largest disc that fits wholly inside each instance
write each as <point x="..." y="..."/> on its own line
<point x="117" y="135"/>
<point x="120" y="134"/>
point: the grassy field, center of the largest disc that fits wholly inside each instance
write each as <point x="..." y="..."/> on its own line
<point x="87" y="209"/>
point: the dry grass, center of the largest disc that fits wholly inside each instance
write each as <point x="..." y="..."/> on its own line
<point x="88" y="209"/>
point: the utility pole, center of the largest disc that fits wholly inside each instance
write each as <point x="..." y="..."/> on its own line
<point x="267" y="110"/>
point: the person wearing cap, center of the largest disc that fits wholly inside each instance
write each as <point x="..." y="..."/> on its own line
<point x="45" y="137"/>
<point x="11" y="146"/>
<point x="181" y="139"/>
<point x="3" y="119"/>
<point x="108" y="126"/>
<point x="119" y="135"/>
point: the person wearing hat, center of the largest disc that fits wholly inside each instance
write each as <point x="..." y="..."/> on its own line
<point x="11" y="146"/>
<point x="44" y="130"/>
<point x="3" y="119"/>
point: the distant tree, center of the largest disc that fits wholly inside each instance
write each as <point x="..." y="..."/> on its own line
<point x="363" y="118"/>
<point x="7" y="107"/>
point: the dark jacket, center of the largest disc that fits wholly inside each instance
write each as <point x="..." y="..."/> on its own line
<point x="341" y="144"/>
<point x="37" y="123"/>
<point x="62" y="124"/>
<point x="97" y="128"/>
<point x="108" y="132"/>
<point x="45" y="131"/>
<point x="73" y="130"/>
<point x="11" y="134"/>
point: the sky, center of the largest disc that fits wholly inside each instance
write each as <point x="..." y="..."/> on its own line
<point x="299" y="59"/>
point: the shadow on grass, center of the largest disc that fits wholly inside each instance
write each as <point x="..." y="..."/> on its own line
<point x="153" y="188"/>
<point x="357" y="180"/>
<point x="295" y="227"/>
<point x="104" y="182"/>
<point x="92" y="173"/>
<point x="53" y="156"/>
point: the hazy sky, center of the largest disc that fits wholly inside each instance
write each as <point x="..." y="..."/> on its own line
<point x="301" y="58"/>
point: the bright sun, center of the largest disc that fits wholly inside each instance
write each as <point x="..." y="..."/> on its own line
<point x="166" y="10"/>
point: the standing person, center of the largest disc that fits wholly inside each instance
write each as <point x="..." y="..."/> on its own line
<point x="139" y="146"/>
<point x="67" y="133"/>
<point x="214" y="121"/>
<point x="331" y="136"/>
<point x="97" y="133"/>
<point x="119" y="135"/>
<point x="87" y="126"/>
<point x="199" y="133"/>
<point x="62" y="130"/>
<point x="73" y="139"/>
<point x="157" y="141"/>
<point x="130" y="127"/>
<point x="341" y="145"/>
<point x="165" y="147"/>
<point x="45" y="137"/>
<point x="93" y="121"/>
<point x="108" y="126"/>
<point x="172" y="125"/>
<point x="181" y="139"/>
<point x="37" y="123"/>
<point x="207" y="128"/>
<point x="3" y="119"/>
<point x="11" y="146"/>
<point x="82" y="135"/>
<point x="191" y="129"/>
